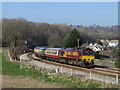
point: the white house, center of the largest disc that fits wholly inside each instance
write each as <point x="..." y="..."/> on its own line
<point x="95" y="47"/>
<point x="113" y="43"/>
<point x="109" y="43"/>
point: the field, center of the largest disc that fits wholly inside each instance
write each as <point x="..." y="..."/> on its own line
<point x="29" y="77"/>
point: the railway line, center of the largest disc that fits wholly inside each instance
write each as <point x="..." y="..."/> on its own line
<point x="116" y="71"/>
<point x="104" y="74"/>
<point x="110" y="71"/>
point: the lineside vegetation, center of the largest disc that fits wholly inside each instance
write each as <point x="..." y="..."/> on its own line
<point x="13" y="69"/>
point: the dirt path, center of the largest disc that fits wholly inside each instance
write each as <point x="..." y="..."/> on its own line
<point x="20" y="82"/>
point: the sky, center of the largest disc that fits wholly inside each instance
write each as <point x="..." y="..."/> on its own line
<point x="75" y="13"/>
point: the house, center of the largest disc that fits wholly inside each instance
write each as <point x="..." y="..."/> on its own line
<point x="113" y="43"/>
<point x="109" y="43"/>
<point x="104" y="43"/>
<point x="95" y="47"/>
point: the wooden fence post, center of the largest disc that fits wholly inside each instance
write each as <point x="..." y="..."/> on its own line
<point x="71" y="72"/>
<point x="106" y="78"/>
<point x="61" y="70"/>
<point x="117" y="78"/>
<point x="90" y="74"/>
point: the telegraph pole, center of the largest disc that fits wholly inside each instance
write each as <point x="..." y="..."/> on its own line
<point x="78" y="42"/>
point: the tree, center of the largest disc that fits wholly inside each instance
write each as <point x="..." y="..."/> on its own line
<point x="15" y="32"/>
<point x="71" y="39"/>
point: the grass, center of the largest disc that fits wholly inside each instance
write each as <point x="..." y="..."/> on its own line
<point x="13" y="69"/>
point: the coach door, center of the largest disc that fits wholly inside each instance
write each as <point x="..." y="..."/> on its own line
<point x="61" y="53"/>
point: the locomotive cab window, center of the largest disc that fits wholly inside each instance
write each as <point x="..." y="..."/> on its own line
<point x="91" y="53"/>
<point x="85" y="53"/>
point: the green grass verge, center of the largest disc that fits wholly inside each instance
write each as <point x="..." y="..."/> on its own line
<point x="13" y="69"/>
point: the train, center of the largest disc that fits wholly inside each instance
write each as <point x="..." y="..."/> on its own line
<point x="73" y="56"/>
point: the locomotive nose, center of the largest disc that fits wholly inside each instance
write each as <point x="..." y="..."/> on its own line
<point x="88" y="59"/>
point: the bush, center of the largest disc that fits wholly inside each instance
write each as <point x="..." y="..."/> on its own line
<point x="117" y="64"/>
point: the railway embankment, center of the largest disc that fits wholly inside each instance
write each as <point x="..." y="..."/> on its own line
<point x="101" y="75"/>
<point x="51" y="76"/>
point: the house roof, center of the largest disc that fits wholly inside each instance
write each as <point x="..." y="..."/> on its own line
<point x="105" y="42"/>
<point x="113" y="41"/>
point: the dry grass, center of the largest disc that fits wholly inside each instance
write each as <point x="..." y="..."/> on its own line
<point x="20" y="82"/>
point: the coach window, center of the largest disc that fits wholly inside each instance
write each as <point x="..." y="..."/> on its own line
<point x="75" y="53"/>
<point x="91" y="53"/>
<point x="55" y="52"/>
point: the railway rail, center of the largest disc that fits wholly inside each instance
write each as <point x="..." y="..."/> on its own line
<point x="110" y="71"/>
<point x="106" y="75"/>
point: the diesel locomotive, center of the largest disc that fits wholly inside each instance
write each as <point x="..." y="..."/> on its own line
<point x="78" y="57"/>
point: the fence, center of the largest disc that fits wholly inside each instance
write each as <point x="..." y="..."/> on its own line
<point x="103" y="77"/>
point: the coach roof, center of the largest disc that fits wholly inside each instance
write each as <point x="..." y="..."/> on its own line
<point x="53" y="48"/>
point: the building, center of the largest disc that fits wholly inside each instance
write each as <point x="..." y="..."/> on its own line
<point x="95" y="47"/>
<point x="113" y="43"/>
<point x="109" y="43"/>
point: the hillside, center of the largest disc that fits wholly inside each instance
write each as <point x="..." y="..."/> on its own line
<point x="16" y="32"/>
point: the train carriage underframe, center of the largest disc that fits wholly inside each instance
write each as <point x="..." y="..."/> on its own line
<point x="70" y="61"/>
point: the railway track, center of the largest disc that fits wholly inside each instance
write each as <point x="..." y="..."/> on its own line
<point x="116" y="71"/>
<point x="109" y="71"/>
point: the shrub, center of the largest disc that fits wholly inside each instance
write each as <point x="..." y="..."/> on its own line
<point x="117" y="64"/>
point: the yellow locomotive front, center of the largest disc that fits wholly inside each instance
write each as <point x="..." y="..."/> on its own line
<point x="88" y="57"/>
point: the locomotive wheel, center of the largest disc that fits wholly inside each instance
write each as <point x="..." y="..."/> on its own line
<point x="85" y="64"/>
<point x="91" y="64"/>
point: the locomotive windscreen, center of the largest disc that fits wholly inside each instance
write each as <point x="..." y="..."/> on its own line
<point x="91" y="53"/>
<point x="86" y="53"/>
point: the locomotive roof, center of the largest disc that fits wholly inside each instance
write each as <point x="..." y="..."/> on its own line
<point x="85" y="49"/>
<point x="74" y="49"/>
